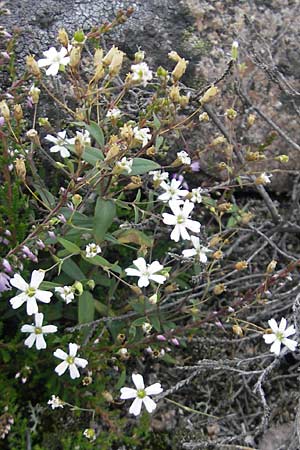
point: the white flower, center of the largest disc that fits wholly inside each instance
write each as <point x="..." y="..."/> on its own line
<point x="37" y="331"/>
<point x="70" y="361"/>
<point x="125" y="165"/>
<point x="199" y="251"/>
<point x="146" y="272"/>
<point x="142" y="135"/>
<point x="159" y="176"/>
<point x="141" y="73"/>
<point x="183" y="157"/>
<point x="113" y="113"/>
<point x="172" y="191"/>
<point x="66" y="293"/>
<point x="265" y="179"/>
<point x="90" y="434"/>
<point x="60" y="144"/>
<point x="141" y="395"/>
<point x="83" y="137"/>
<point x="30" y="292"/>
<point x="92" y="250"/>
<point x="181" y="220"/>
<point x="280" y="335"/>
<point x="196" y="195"/>
<point x="54" y="60"/>
<point x="55" y="402"/>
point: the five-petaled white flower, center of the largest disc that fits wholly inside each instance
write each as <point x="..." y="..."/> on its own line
<point x="66" y="293"/>
<point x="55" y="402"/>
<point x="54" y="59"/>
<point x="181" y="220"/>
<point x="70" y="361"/>
<point x="83" y="137"/>
<point x="183" y="157"/>
<point x="172" y="191"/>
<point x="146" y="272"/>
<point x="113" y="113"/>
<point x="125" y="165"/>
<point x="142" y="135"/>
<point x="59" y="144"/>
<point x="280" y="336"/>
<point x="92" y="250"/>
<point x="141" y="395"/>
<point x="37" y="331"/>
<point x="30" y="292"/>
<point x="141" y="73"/>
<point x="196" y="196"/>
<point x="199" y="251"/>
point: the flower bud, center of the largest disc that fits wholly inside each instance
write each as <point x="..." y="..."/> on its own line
<point x="20" y="169"/>
<point x="251" y="119"/>
<point x="91" y="284"/>
<point x="107" y="396"/>
<point x="230" y="113"/>
<point x="218" y="255"/>
<point x="63" y="38"/>
<point x="76" y="200"/>
<point x="34" y="93"/>
<point x="271" y="266"/>
<point x="237" y="330"/>
<point x="109" y="56"/>
<point x="116" y="63"/>
<point x="234" y="50"/>
<point x="204" y="117"/>
<point x="162" y="73"/>
<point x="78" y="146"/>
<point x="241" y="265"/>
<point x="139" y="56"/>
<point x="174" y="94"/>
<point x="153" y="299"/>
<point x="33" y="136"/>
<point x="75" y="56"/>
<point x="179" y="69"/>
<point x="174" y="56"/>
<point x="219" y="289"/>
<point x="282" y="158"/>
<point x="78" y="288"/>
<point x="209" y="94"/>
<point x="4" y="110"/>
<point x="224" y="207"/>
<point x="79" y="37"/>
<point x="18" y="112"/>
<point x="32" y="66"/>
<point x="137" y="291"/>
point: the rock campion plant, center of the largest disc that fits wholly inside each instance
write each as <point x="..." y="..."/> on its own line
<point x="106" y="237"/>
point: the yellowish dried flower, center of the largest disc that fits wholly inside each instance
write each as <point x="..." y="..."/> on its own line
<point x="251" y="119"/>
<point x="20" y="169"/>
<point x="209" y="94"/>
<point x="237" y="330"/>
<point x="219" y="289"/>
<point x="63" y="38"/>
<point x="271" y="266"/>
<point x="32" y="66"/>
<point x="241" y="265"/>
<point x="204" y="117"/>
<point x="180" y="69"/>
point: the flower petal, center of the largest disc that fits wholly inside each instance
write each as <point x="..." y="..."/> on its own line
<point x="275" y="347"/>
<point x="189" y="252"/>
<point x="18" y="282"/>
<point x="140" y="263"/>
<point x="30" y="340"/>
<point x="73" y="349"/>
<point x="40" y="342"/>
<point x="175" y="235"/>
<point x="38" y="318"/>
<point x="149" y="404"/>
<point x="36" y="278"/>
<point x="273" y="325"/>
<point x="18" y="300"/>
<point x="290" y="343"/>
<point x="49" y="329"/>
<point x="160" y="279"/>
<point x="27" y="329"/>
<point x="289" y="331"/>
<point x="60" y="354"/>
<point x="138" y="381"/>
<point x="74" y="372"/>
<point x="154" y="267"/>
<point x="169" y="219"/>
<point x="43" y="296"/>
<point x="269" y="338"/>
<point x="187" y="208"/>
<point x="128" y="393"/>
<point x="193" y="225"/>
<point x="143" y="281"/>
<point x="81" y="362"/>
<point x="183" y="232"/>
<point x="31" y="306"/>
<point x="282" y="325"/>
<point x="136" y="406"/>
<point x="154" y="389"/>
<point x="61" y="368"/>
<point x="132" y="272"/>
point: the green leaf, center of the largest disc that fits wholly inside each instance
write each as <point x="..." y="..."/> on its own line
<point x="72" y="270"/>
<point x="102" y="262"/>
<point x="70" y="246"/>
<point x="156" y="122"/>
<point x="105" y="212"/>
<point x="97" y="133"/>
<point x="139" y="322"/>
<point x="154" y="320"/>
<point x="100" y="307"/>
<point x="142" y="165"/>
<point x="158" y="142"/>
<point x="45" y="195"/>
<point x="92" y="155"/>
<point x="86" y="308"/>
<point x="133" y="236"/>
<point x="121" y="379"/>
